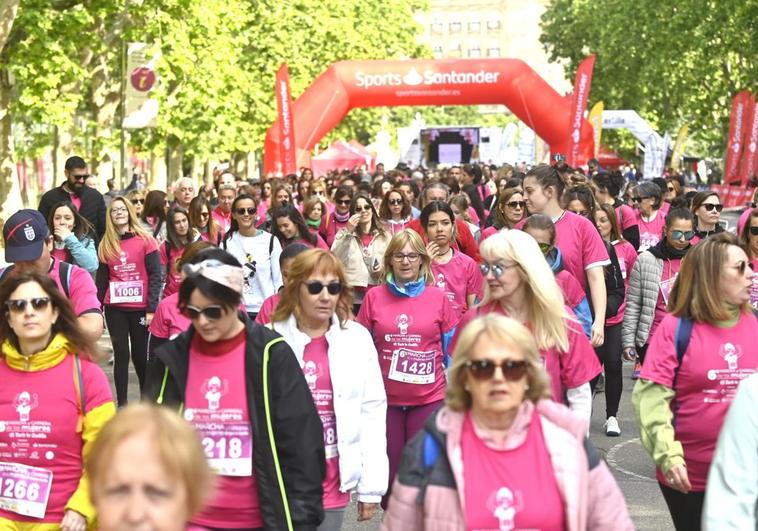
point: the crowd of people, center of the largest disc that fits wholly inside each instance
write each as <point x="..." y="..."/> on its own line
<point x="426" y="341"/>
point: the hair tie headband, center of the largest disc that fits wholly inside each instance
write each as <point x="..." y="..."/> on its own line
<point x="219" y="272"/>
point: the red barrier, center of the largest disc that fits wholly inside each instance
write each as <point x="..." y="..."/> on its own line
<point x="348" y="85"/>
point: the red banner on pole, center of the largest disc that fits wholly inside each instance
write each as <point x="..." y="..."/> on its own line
<point x="287" y="158"/>
<point x="747" y="165"/>
<point x="579" y="98"/>
<point x="736" y="137"/>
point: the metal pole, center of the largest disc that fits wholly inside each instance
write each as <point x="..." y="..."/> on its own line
<point x="124" y="181"/>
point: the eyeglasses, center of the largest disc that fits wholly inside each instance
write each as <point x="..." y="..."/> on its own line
<point x="516" y="204"/>
<point x="119" y="210"/>
<point x="242" y="211"/>
<point x="343" y="202"/>
<point x="497" y="269"/>
<point x="315" y="287"/>
<point x="485" y="369"/>
<point x="81" y="177"/>
<point x="212" y="312"/>
<point x="640" y="199"/>
<point x="395" y="202"/>
<point x="679" y="234"/>
<point x="710" y="207"/>
<point x="19" y="305"/>
<point x="544" y="247"/>
<point x="754" y="231"/>
<point x="400" y="257"/>
<point x="138" y="201"/>
<point x="364" y="208"/>
<point x="742" y="265"/>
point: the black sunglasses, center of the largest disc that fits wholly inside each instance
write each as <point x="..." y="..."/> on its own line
<point x="315" y="287"/>
<point x="212" y="312"/>
<point x="485" y="369"/>
<point x="343" y="202"/>
<point x="242" y="211"/>
<point x="19" y="305"/>
<point x="395" y="201"/>
<point x="711" y="206"/>
<point x="679" y="234"/>
<point x="754" y="231"/>
<point x="640" y="199"/>
<point x="516" y="204"/>
<point x="138" y="201"/>
<point x="81" y="177"/>
<point x="365" y="208"/>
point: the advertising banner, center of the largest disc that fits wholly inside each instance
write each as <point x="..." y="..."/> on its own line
<point x="579" y="98"/>
<point x="287" y="157"/>
<point x="140" y="107"/>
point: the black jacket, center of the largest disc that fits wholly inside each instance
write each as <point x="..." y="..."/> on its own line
<point x="92" y="209"/>
<point x="290" y="416"/>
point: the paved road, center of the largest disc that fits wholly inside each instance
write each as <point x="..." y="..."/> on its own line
<point x="628" y="461"/>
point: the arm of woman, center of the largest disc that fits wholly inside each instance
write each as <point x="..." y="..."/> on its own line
<point x="598" y="294"/>
<point x="580" y="400"/>
<point x="652" y="407"/>
<point x="102" y="280"/>
<point x="153" y="268"/>
<point x="83" y="253"/>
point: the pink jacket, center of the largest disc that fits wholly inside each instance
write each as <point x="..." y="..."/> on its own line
<point x="592" y="500"/>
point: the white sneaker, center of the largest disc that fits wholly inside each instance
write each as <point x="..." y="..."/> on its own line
<point x="612" y="428"/>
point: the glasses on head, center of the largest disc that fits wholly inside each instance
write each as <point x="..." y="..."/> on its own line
<point x="19" y="305"/>
<point x="516" y="204"/>
<point x="343" y="202"/>
<point x="485" y="369"/>
<point x="315" y="287"/>
<point x="395" y="202"/>
<point x="679" y="234"/>
<point x="138" y="201"/>
<point x="364" y="208"/>
<point x="401" y="257"/>
<point x="242" y="211"/>
<point x="497" y="269"/>
<point x="83" y="177"/>
<point x="212" y="312"/>
<point x="544" y="247"/>
<point x="710" y="207"/>
<point x="640" y="199"/>
<point x="119" y="210"/>
<point x="742" y="265"/>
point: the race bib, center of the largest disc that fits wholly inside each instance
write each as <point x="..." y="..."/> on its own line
<point x="122" y="292"/>
<point x="25" y="489"/>
<point x="754" y="293"/>
<point x="666" y="286"/>
<point x="409" y="366"/>
<point x="329" y="422"/>
<point x="228" y="447"/>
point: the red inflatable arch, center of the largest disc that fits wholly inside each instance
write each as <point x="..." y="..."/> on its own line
<point x="352" y="84"/>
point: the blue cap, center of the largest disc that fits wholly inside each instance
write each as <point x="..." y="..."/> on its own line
<point x="25" y="234"/>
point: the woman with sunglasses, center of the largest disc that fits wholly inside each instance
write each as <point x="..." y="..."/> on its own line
<point x="697" y="357"/>
<point x="73" y="237"/>
<point x="521" y="285"/>
<point x="202" y="221"/>
<point x="410" y="320"/>
<point x="650" y="282"/>
<point x="337" y="219"/>
<point x="54" y="400"/>
<point x="257" y="250"/>
<point x="500" y="456"/>
<point x="749" y="242"/>
<point x="341" y="367"/>
<point x="289" y="227"/>
<point x="454" y="272"/>
<point x="510" y="210"/>
<point x="179" y="235"/>
<point x="361" y="247"/>
<point x="706" y="207"/>
<point x="128" y="285"/>
<point x="648" y="200"/>
<point x="242" y="389"/>
<point x="395" y="211"/>
<point x="673" y="190"/>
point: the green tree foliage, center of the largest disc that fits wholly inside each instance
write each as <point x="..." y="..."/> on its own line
<point x="673" y="62"/>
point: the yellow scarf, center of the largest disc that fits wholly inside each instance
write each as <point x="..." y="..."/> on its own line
<point x="51" y="356"/>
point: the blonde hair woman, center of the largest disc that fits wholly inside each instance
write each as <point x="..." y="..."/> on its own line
<point x="520" y="284"/>
<point x="498" y="455"/>
<point x="172" y="464"/>
<point x="128" y="285"/>
<point x="409" y="319"/>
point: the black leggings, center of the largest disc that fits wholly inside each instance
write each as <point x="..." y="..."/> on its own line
<point x="610" y="357"/>
<point x="685" y="509"/>
<point x="125" y="328"/>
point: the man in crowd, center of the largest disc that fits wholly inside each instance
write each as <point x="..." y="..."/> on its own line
<point x="87" y="200"/>
<point x="223" y="212"/>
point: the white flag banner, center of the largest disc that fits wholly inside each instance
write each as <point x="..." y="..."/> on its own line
<point x="652" y="165"/>
<point x="526" y="144"/>
<point x="141" y="109"/>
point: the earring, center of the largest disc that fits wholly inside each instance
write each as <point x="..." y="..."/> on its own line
<point x="526" y="387"/>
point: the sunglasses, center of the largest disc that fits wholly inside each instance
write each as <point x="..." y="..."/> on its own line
<point x="545" y="247"/>
<point x="316" y="287"/>
<point x="640" y="199"/>
<point x="19" y="305"/>
<point x="343" y="202"/>
<point x="754" y="231"/>
<point x="485" y="369"/>
<point x="242" y="211"/>
<point x="81" y="177"/>
<point x="671" y="189"/>
<point x="679" y="234"/>
<point x="742" y="265"/>
<point x="364" y="208"/>
<point x="138" y="201"/>
<point x="212" y="312"/>
<point x="710" y="206"/>
<point x="516" y="204"/>
<point x="497" y="269"/>
<point x="204" y="214"/>
<point x="395" y="202"/>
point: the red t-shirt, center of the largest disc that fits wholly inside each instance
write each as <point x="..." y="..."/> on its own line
<point x="408" y="332"/>
<point x="216" y="405"/>
<point x="82" y="292"/>
<point x="173" y="277"/>
<point x="39" y="412"/>
<point x="128" y="282"/>
<point x="510" y="489"/>
<point x="458" y="278"/>
<point x="715" y="362"/>
<point x="319" y="379"/>
<point x="168" y="322"/>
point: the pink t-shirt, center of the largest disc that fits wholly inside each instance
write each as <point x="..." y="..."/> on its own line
<point x="128" y="282"/>
<point x="626" y="216"/>
<point x="754" y="287"/>
<point x="458" y="278"/>
<point x="81" y="289"/>
<point x="670" y="271"/>
<point x="168" y="322"/>
<point x="61" y="255"/>
<point x="39" y="412"/>
<point x="408" y="332"/>
<point x="173" y="277"/>
<point x="224" y="220"/>
<point x="216" y="405"/>
<point x="627" y="256"/>
<point x="487" y="232"/>
<point x="715" y="362"/>
<point x="330" y="226"/>
<point x="572" y="290"/>
<point x="510" y="489"/>
<point x="77" y="201"/>
<point x="397" y="226"/>
<point x="319" y="379"/>
<point x="567" y="370"/>
<point x="650" y="231"/>
<point x="267" y="308"/>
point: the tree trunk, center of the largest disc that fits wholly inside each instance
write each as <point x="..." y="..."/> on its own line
<point x="10" y="194"/>
<point x="8" y="10"/>
<point x="175" y="160"/>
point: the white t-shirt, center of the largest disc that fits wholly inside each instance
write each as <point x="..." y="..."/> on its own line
<point x="267" y="278"/>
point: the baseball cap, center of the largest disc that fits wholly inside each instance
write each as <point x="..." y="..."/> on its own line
<point x="24" y="234"/>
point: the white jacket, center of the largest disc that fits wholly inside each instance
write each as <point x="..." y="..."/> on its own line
<point x="360" y="404"/>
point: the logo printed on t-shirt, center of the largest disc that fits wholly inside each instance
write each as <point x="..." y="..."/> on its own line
<point x="402" y="322"/>
<point x="213" y="390"/>
<point x="441" y="281"/>
<point x="731" y="354"/>
<point x="504" y="508"/>
<point x="310" y="370"/>
<point x="24" y="402"/>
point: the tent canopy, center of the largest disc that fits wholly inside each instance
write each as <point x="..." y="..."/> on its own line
<point x="339" y="156"/>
